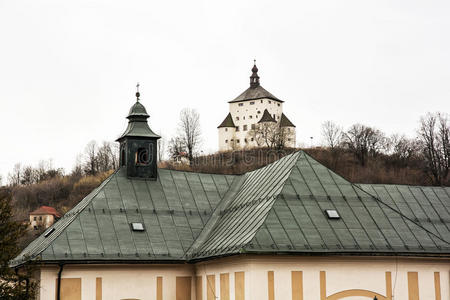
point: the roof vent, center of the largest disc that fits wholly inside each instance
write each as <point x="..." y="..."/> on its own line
<point x="49" y="232"/>
<point x="332" y="214"/>
<point x="137" y="226"/>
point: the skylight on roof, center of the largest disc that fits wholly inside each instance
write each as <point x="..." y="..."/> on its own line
<point x="137" y="226"/>
<point x="332" y="214"/>
<point x="49" y="232"/>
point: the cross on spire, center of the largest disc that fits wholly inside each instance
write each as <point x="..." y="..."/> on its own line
<point x="137" y="92"/>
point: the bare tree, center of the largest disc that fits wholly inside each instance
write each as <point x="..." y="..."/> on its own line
<point x="15" y="176"/>
<point x="363" y="141"/>
<point x="332" y="134"/>
<point x="161" y="144"/>
<point x="271" y="135"/>
<point x="176" y="148"/>
<point x="434" y="134"/>
<point x="90" y="158"/>
<point x="189" y="131"/>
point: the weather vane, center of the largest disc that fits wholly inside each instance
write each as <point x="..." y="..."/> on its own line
<point x="137" y="91"/>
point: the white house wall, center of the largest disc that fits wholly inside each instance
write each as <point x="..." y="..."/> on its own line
<point x="322" y="278"/>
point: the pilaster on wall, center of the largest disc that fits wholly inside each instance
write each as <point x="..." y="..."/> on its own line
<point x="355" y="292"/>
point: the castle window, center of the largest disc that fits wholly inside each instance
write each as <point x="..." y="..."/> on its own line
<point x="226" y="129"/>
<point x="259" y="112"/>
<point x="270" y="102"/>
<point x="237" y="141"/>
<point x="245" y="128"/>
<point x="34" y="218"/>
<point x="237" y="128"/>
<point x="241" y="104"/>
<point x="142" y="157"/>
<point x="253" y="102"/>
<point x="245" y="140"/>
<point x="278" y="104"/>
<point x="243" y="118"/>
<point x="226" y="141"/>
<point x="289" y="140"/>
<point x="252" y="139"/>
<point x="232" y="140"/>
<point x="251" y="117"/>
<point x="40" y="218"/>
<point x="253" y="126"/>
<point x="274" y="116"/>
<point x="261" y="101"/>
<point x="237" y="118"/>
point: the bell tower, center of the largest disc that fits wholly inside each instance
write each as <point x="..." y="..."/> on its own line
<point x="138" y="148"/>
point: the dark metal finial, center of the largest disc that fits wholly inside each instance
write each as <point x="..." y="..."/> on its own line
<point x="137" y="92"/>
<point x="254" y="79"/>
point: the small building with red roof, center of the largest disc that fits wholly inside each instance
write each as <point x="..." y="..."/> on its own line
<point x="44" y="217"/>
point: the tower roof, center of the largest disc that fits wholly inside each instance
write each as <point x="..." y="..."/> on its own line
<point x="285" y="122"/>
<point x="266" y="117"/>
<point x="137" y="124"/>
<point x="255" y="91"/>
<point x="228" y="122"/>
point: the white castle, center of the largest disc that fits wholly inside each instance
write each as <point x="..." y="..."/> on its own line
<point x="256" y="119"/>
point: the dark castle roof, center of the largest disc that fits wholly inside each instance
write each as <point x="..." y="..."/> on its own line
<point x="266" y="117"/>
<point x="285" y="122"/>
<point x="277" y="209"/>
<point x="255" y="91"/>
<point x="228" y="122"/>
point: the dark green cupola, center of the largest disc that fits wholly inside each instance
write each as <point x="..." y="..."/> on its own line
<point x="138" y="144"/>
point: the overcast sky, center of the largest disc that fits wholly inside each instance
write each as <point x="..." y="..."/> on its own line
<point x="68" y="69"/>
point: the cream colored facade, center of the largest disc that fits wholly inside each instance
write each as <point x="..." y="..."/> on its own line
<point x="247" y="114"/>
<point x="257" y="278"/>
<point x="42" y="220"/>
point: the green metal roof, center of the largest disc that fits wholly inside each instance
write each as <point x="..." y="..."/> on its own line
<point x="137" y="124"/>
<point x="276" y="209"/>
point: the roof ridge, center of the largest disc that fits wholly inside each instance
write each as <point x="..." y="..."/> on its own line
<point x="60" y="225"/>
<point x="208" y="235"/>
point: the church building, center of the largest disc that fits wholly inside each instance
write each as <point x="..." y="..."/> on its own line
<point x="292" y="230"/>
<point x="256" y="119"/>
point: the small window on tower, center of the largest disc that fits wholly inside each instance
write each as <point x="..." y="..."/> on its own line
<point x="237" y="141"/>
<point x="270" y="102"/>
<point x="237" y="128"/>
<point x="253" y="102"/>
<point x="237" y="118"/>
<point x="243" y="118"/>
<point x="142" y="157"/>
<point x="245" y="128"/>
<point x="241" y="104"/>
<point x="278" y="104"/>
<point x="259" y="111"/>
<point x="251" y="117"/>
<point x="226" y="129"/>
<point x="261" y="101"/>
<point x="226" y="141"/>
<point x="253" y="126"/>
